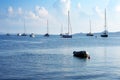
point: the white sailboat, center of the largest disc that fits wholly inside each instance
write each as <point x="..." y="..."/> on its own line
<point x="90" y="33"/>
<point x="105" y="33"/>
<point x="68" y="35"/>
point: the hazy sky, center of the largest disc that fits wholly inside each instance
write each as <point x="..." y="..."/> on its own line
<point x="37" y="12"/>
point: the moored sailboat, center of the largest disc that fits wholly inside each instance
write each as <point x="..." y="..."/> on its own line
<point x="24" y="34"/>
<point x="47" y="34"/>
<point x="8" y="34"/>
<point x="68" y="35"/>
<point x="61" y="30"/>
<point x="18" y="34"/>
<point x="105" y="33"/>
<point x="90" y="33"/>
<point x="32" y="35"/>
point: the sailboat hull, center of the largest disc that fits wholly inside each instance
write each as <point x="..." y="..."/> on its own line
<point x="89" y="34"/>
<point x="24" y="34"/>
<point x="66" y="36"/>
<point x="46" y="35"/>
<point x="105" y="35"/>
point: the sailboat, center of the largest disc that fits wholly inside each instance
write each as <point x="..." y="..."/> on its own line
<point x="8" y="34"/>
<point x="32" y="35"/>
<point x="61" y="30"/>
<point x="47" y="34"/>
<point x="24" y="34"/>
<point x="68" y="35"/>
<point x="90" y="34"/>
<point x="105" y="33"/>
<point x="18" y="34"/>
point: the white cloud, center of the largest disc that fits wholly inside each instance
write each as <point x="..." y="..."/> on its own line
<point x="20" y="11"/>
<point x="31" y="15"/>
<point x="65" y="4"/>
<point x="41" y="11"/>
<point x="62" y="6"/>
<point x="117" y="8"/>
<point x="79" y="6"/>
<point x="99" y="12"/>
<point x="10" y="10"/>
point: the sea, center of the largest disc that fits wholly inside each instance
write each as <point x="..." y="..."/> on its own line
<point x="51" y="58"/>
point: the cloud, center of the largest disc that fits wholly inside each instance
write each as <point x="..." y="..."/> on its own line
<point x="10" y="10"/>
<point x="117" y="8"/>
<point x="41" y="11"/>
<point x="63" y="6"/>
<point x="20" y="11"/>
<point x="31" y="15"/>
<point x="85" y="10"/>
<point x="79" y="6"/>
<point x="99" y="12"/>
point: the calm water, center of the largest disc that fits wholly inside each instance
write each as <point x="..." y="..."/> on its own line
<point x="40" y="58"/>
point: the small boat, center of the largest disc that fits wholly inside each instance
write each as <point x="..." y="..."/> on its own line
<point x="68" y="35"/>
<point x="24" y="34"/>
<point x="8" y="34"/>
<point x="61" y="30"/>
<point x="90" y="33"/>
<point x="32" y="35"/>
<point x="18" y="34"/>
<point x="61" y="34"/>
<point x="81" y="54"/>
<point x="105" y="33"/>
<point x="47" y="34"/>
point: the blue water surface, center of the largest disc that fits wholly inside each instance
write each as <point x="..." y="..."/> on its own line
<point x="42" y="58"/>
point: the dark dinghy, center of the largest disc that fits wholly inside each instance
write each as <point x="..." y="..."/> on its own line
<point x="81" y="54"/>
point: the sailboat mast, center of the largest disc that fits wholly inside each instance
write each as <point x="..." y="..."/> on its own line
<point x="24" y="26"/>
<point x="61" y="28"/>
<point x="68" y="22"/>
<point x="90" y="24"/>
<point x="105" y="20"/>
<point x="47" y="27"/>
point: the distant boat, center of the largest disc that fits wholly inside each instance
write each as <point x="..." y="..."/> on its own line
<point x="90" y="33"/>
<point x="61" y="30"/>
<point x="68" y="35"/>
<point x="61" y="34"/>
<point x="32" y="35"/>
<point x="47" y="34"/>
<point x="24" y="34"/>
<point x="105" y="33"/>
<point x="8" y="34"/>
<point x="18" y="34"/>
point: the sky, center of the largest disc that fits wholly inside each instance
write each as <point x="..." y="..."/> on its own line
<point x="35" y="13"/>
